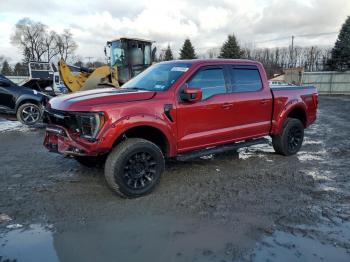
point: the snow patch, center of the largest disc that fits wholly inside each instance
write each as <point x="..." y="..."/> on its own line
<point x="312" y="156"/>
<point x="259" y="150"/>
<point x="6" y="126"/>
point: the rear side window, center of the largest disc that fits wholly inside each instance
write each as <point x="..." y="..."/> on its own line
<point x="246" y="80"/>
<point x="211" y="81"/>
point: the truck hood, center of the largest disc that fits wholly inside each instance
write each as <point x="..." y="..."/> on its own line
<point x="86" y="100"/>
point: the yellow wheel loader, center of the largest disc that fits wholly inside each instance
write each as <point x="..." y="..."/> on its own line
<point x="127" y="58"/>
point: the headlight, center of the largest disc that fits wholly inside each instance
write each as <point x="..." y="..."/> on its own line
<point x="89" y="124"/>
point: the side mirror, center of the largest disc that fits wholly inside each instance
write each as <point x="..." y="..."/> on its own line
<point x="191" y="94"/>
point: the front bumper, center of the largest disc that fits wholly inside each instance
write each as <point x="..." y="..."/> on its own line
<point x="59" y="140"/>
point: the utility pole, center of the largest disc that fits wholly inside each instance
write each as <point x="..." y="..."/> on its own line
<point x="89" y="58"/>
<point x="292" y="53"/>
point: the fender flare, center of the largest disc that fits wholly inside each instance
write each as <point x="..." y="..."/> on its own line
<point x="122" y="125"/>
<point x="282" y="116"/>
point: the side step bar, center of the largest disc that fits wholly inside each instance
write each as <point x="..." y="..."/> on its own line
<point x="221" y="149"/>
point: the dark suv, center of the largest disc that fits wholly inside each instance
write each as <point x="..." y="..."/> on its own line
<point x="25" y="103"/>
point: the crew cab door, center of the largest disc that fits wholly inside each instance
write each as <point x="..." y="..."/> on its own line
<point x="251" y="101"/>
<point x="203" y="123"/>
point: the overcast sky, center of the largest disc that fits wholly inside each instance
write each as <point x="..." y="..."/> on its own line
<point x="205" y="22"/>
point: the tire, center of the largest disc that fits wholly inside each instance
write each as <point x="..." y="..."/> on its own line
<point x="91" y="161"/>
<point x="291" y="139"/>
<point x="29" y="114"/>
<point x="134" y="168"/>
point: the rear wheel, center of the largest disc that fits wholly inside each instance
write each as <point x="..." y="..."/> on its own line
<point x="134" y="167"/>
<point x="290" y="140"/>
<point x="29" y="114"/>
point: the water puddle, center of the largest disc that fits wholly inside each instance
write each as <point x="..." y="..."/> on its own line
<point x="283" y="246"/>
<point x="28" y="244"/>
<point x="144" y="238"/>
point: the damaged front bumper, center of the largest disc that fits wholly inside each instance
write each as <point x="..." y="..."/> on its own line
<point x="59" y="140"/>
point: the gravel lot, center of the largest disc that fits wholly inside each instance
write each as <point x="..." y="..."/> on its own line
<point x="250" y="205"/>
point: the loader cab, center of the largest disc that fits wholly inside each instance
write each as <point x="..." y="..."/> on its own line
<point x="131" y="56"/>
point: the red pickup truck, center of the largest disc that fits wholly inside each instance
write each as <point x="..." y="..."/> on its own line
<point x="177" y="109"/>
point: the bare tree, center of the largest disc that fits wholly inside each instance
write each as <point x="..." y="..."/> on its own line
<point x="29" y="36"/>
<point x="51" y="47"/>
<point x="2" y="58"/>
<point x="38" y="44"/>
<point x="65" y="44"/>
<point x="213" y="52"/>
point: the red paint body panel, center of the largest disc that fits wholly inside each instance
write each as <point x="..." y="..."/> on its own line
<point x="220" y="119"/>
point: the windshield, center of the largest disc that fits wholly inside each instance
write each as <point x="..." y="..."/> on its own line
<point x="117" y="54"/>
<point x="4" y="81"/>
<point x="158" y="77"/>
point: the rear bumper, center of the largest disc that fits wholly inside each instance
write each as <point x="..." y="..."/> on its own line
<point x="59" y="140"/>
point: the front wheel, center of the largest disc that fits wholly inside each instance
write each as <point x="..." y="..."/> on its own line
<point x="134" y="167"/>
<point x="290" y="140"/>
<point x="29" y="114"/>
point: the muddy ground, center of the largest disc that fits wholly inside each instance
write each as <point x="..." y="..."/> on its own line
<point x="250" y="205"/>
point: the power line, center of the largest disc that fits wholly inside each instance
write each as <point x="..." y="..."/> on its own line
<point x="288" y="37"/>
<point x="319" y="34"/>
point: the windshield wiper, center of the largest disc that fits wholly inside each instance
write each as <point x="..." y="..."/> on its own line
<point x="135" y="88"/>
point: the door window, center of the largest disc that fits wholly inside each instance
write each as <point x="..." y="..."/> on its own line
<point x="211" y="81"/>
<point x="246" y="80"/>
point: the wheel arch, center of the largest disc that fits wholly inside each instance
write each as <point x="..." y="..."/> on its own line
<point x="297" y="111"/>
<point x="149" y="133"/>
<point x="27" y="99"/>
<point x="153" y="129"/>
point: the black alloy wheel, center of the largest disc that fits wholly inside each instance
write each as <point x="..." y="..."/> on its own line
<point x="29" y="114"/>
<point x="291" y="138"/>
<point x="139" y="170"/>
<point x="295" y="137"/>
<point x="134" y="167"/>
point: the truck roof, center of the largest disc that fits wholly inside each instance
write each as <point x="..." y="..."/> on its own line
<point x="131" y="38"/>
<point x="215" y="61"/>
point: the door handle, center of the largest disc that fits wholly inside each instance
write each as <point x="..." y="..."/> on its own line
<point x="264" y="101"/>
<point x="227" y="105"/>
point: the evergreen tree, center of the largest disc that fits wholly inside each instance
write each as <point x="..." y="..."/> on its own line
<point x="340" y="59"/>
<point x="230" y="48"/>
<point x="20" y="70"/>
<point x="6" y="69"/>
<point x="187" y="51"/>
<point x="26" y="55"/>
<point x="168" y="54"/>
